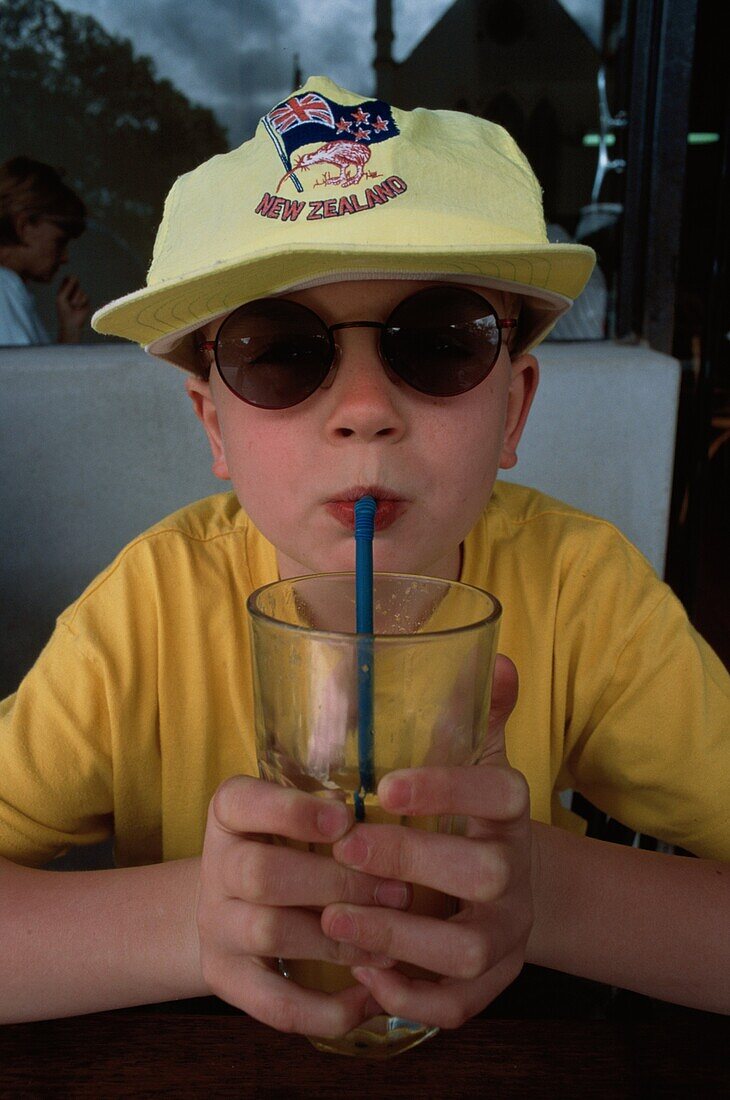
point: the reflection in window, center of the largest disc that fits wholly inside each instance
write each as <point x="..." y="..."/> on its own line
<point x="532" y="68"/>
<point x="77" y="98"/>
<point x="506" y="111"/>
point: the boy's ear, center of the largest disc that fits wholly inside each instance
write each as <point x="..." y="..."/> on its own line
<point x="198" y="391"/>
<point x="525" y="377"/>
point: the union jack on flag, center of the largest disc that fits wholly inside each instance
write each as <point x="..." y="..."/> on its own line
<point x="300" y="109"/>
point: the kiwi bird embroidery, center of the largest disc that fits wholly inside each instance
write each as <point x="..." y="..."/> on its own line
<point x="342" y="154"/>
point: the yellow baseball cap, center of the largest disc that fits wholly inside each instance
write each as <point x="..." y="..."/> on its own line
<point x="334" y="186"/>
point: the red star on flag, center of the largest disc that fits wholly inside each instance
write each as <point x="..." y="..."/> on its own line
<point x="360" y="116"/>
<point x="343" y="125"/>
<point x="361" y="135"/>
<point x="380" y="123"/>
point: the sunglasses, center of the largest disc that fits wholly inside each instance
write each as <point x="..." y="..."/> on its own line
<point x="441" y="341"/>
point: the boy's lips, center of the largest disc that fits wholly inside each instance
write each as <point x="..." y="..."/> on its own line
<point x="390" y="506"/>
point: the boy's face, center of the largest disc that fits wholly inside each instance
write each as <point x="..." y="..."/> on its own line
<point x="45" y="248"/>
<point x="296" y="471"/>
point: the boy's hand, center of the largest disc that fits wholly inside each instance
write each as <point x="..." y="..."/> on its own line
<point x="72" y="309"/>
<point x="259" y="902"/>
<point x="481" y="949"/>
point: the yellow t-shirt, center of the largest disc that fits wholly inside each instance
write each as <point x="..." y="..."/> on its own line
<point x="141" y="703"/>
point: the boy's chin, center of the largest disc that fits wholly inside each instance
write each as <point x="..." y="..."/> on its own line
<point x="389" y="556"/>
<point x="345" y="563"/>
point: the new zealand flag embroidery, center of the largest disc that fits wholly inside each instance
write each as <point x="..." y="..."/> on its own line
<point x="346" y="134"/>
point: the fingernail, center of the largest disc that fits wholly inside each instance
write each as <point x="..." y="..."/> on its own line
<point x="353" y="850"/>
<point x="332" y="820"/>
<point x="392" y="894"/>
<point x="342" y="928"/>
<point x="397" y="792"/>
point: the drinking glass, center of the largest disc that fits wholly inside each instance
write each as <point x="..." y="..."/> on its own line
<point x="336" y="710"/>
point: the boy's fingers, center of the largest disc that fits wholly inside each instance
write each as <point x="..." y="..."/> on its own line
<point x="265" y="932"/>
<point x="446" y="1004"/>
<point x="245" y="805"/>
<point x="466" y="868"/>
<point x="505" y="688"/>
<point x="270" y="874"/>
<point x="282" y="1004"/>
<point x="494" y="792"/>
<point x="454" y="948"/>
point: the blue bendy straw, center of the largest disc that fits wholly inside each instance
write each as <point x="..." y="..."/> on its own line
<point x="365" y="509"/>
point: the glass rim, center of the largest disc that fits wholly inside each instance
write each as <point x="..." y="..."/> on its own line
<point x="262" y="616"/>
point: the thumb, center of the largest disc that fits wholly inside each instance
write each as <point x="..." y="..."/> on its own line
<point x="505" y="687"/>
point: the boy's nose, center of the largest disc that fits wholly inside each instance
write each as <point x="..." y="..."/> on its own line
<point x="364" y="403"/>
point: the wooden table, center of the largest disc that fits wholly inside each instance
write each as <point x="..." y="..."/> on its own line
<point x="156" y="1053"/>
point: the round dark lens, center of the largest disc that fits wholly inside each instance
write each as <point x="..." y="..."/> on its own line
<point x="273" y="353"/>
<point x="442" y="341"/>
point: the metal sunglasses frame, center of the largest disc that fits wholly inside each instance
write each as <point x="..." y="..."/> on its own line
<point x="382" y="326"/>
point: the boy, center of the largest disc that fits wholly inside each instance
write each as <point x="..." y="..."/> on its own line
<point x="355" y="293"/>
<point x="39" y="215"/>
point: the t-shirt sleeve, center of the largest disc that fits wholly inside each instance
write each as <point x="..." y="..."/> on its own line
<point x="55" y="760"/>
<point x="20" y="324"/>
<point x="651" y="748"/>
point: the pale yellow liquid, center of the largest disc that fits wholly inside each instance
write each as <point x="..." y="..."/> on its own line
<point x="378" y="1037"/>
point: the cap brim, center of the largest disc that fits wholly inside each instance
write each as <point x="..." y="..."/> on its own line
<point x="160" y="317"/>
